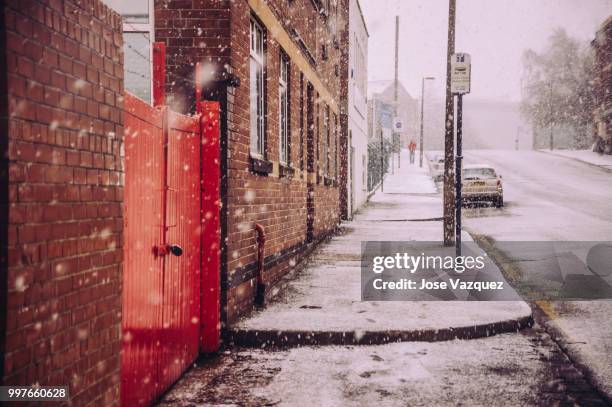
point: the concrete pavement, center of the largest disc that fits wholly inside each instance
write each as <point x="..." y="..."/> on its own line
<point x="322" y="304"/>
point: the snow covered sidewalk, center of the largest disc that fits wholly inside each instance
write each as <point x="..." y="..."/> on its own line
<point x="322" y="304"/>
<point x="586" y="156"/>
<point x="409" y="178"/>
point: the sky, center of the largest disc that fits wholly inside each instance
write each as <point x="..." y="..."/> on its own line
<point x="494" y="32"/>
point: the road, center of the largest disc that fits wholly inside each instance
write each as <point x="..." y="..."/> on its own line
<point x="547" y="198"/>
<point x="554" y="199"/>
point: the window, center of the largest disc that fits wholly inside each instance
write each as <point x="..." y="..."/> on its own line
<point x="138" y="36"/>
<point x="326" y="133"/>
<point x="335" y="146"/>
<point x="257" y="90"/>
<point x="283" y="97"/>
<point x="301" y="121"/>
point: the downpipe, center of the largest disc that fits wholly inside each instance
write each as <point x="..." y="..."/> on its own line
<point x="260" y="293"/>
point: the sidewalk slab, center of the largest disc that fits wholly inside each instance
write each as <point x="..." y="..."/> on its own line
<point x="322" y="304"/>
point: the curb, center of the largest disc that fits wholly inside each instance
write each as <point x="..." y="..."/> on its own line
<point x="601" y="167"/>
<point x="292" y="339"/>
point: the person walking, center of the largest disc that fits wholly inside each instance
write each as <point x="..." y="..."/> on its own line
<point x="412" y="148"/>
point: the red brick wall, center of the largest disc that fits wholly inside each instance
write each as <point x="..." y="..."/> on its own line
<point x="64" y="77"/>
<point x="193" y="32"/>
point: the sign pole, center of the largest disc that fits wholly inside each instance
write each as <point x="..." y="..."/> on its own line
<point x="458" y="163"/>
<point x="461" y="68"/>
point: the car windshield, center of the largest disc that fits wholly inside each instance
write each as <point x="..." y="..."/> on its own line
<point x="479" y="173"/>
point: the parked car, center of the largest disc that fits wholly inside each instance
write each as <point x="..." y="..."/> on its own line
<point x="437" y="168"/>
<point x="481" y="183"/>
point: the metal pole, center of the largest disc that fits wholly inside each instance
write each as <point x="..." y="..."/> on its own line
<point x="449" y="191"/>
<point x="395" y="88"/>
<point x="458" y="175"/>
<point x="421" y="139"/>
<point x="516" y="142"/>
<point x="422" y="104"/>
<point x="551" y="117"/>
<point x="382" y="163"/>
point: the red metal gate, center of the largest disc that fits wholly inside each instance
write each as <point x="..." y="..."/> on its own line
<point x="166" y="245"/>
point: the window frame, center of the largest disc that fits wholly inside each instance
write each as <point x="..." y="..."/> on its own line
<point x="326" y="141"/>
<point x="284" y="79"/>
<point x="257" y="56"/>
<point x="147" y="28"/>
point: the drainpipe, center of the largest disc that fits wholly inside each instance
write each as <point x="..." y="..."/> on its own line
<point x="261" y="287"/>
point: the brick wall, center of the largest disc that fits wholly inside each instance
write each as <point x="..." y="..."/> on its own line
<point x="63" y="110"/>
<point x="216" y="33"/>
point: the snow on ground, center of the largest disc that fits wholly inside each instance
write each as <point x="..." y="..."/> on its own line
<point x="409" y="178"/>
<point x="587" y="156"/>
<point x="326" y="294"/>
<point x="552" y="198"/>
<point x="586" y="332"/>
<point x="509" y="369"/>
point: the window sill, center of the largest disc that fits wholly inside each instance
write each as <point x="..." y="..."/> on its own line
<point x="260" y="166"/>
<point x="286" y="171"/>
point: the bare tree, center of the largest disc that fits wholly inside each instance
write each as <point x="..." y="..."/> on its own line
<point x="557" y="87"/>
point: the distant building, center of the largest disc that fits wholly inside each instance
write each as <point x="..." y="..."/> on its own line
<point x="357" y="108"/>
<point x="602" y="114"/>
<point x="381" y="104"/>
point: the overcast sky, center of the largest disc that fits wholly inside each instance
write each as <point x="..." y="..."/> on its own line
<point x="494" y="32"/>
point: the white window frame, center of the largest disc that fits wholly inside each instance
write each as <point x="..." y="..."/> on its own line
<point x="145" y="29"/>
<point x="283" y="108"/>
<point x="256" y="56"/>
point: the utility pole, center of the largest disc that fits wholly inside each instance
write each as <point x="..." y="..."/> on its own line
<point x="422" y="103"/>
<point x="516" y="141"/>
<point x="395" y="86"/>
<point x="449" y="192"/>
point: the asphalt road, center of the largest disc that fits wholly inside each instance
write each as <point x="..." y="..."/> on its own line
<point x="548" y="198"/>
<point x="554" y="199"/>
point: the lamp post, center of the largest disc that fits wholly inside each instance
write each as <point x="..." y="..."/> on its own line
<point x="426" y="78"/>
<point x="551" y="117"/>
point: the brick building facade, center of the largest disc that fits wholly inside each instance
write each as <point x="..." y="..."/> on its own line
<point x="61" y="178"/>
<point x="275" y="66"/>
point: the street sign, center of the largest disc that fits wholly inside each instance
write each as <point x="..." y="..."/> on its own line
<point x="461" y="68"/>
<point x="397" y="125"/>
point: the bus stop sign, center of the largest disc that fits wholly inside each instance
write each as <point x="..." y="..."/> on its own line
<point x="460" y="73"/>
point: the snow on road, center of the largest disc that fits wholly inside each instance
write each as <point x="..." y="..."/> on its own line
<point x="552" y="198"/>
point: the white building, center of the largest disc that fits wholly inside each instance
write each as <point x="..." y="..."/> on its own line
<point x="357" y="108"/>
